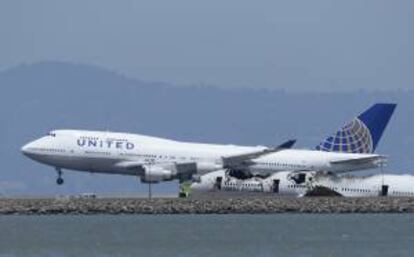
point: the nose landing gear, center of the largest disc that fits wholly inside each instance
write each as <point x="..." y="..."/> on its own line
<point x="59" y="180"/>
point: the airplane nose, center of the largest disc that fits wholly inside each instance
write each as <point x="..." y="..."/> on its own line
<point x="25" y="149"/>
<point x="33" y="150"/>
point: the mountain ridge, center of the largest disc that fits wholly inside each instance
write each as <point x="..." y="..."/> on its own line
<point x="49" y="95"/>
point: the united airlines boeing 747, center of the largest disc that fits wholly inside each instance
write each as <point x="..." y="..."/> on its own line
<point x="156" y="159"/>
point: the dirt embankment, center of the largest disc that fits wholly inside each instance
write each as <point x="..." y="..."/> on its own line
<point x="207" y="206"/>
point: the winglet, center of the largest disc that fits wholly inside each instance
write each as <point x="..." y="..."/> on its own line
<point x="245" y="159"/>
<point x="287" y="145"/>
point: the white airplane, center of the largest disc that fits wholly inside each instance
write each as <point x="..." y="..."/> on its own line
<point x="288" y="183"/>
<point x="156" y="159"/>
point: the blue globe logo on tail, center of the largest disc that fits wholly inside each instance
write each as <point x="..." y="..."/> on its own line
<point x="352" y="138"/>
<point x="362" y="134"/>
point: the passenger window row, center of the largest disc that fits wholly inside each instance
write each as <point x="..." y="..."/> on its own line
<point x="356" y="190"/>
<point x="232" y="184"/>
<point x="99" y="153"/>
<point x="278" y="164"/>
<point x="52" y="150"/>
<point x="296" y="186"/>
<point x="401" y="193"/>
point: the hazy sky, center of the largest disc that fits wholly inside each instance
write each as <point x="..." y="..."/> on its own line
<point x="295" y="45"/>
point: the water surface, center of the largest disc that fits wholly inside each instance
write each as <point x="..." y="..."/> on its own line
<point x="208" y="235"/>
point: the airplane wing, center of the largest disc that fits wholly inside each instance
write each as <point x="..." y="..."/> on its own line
<point x="361" y="160"/>
<point x="177" y="168"/>
<point x="131" y="165"/>
<point x="246" y="159"/>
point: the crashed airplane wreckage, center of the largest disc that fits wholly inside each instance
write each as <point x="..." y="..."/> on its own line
<point x="288" y="183"/>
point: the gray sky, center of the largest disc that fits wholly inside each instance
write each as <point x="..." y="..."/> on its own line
<point x="295" y="45"/>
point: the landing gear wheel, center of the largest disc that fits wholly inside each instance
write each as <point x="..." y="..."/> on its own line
<point x="59" y="181"/>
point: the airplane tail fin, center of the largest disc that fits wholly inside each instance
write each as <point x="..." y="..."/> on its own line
<point x="363" y="133"/>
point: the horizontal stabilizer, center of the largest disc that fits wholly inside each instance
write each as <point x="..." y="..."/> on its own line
<point x="362" y="160"/>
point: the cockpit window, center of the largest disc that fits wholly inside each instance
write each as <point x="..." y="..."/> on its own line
<point x="51" y="134"/>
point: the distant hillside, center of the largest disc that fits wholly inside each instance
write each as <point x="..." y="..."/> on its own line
<point x="40" y="97"/>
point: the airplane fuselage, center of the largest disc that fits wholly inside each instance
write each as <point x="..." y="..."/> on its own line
<point x="96" y="151"/>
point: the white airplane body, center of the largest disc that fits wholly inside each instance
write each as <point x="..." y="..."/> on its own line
<point x="156" y="159"/>
<point x="287" y="183"/>
<point x="131" y="154"/>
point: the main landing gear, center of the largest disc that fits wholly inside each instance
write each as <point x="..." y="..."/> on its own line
<point x="59" y="180"/>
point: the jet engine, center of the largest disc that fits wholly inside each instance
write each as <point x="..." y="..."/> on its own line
<point x="156" y="174"/>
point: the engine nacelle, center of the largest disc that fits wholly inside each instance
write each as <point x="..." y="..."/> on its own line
<point x="156" y="174"/>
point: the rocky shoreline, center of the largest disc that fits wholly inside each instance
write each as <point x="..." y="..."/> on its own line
<point x="206" y="206"/>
